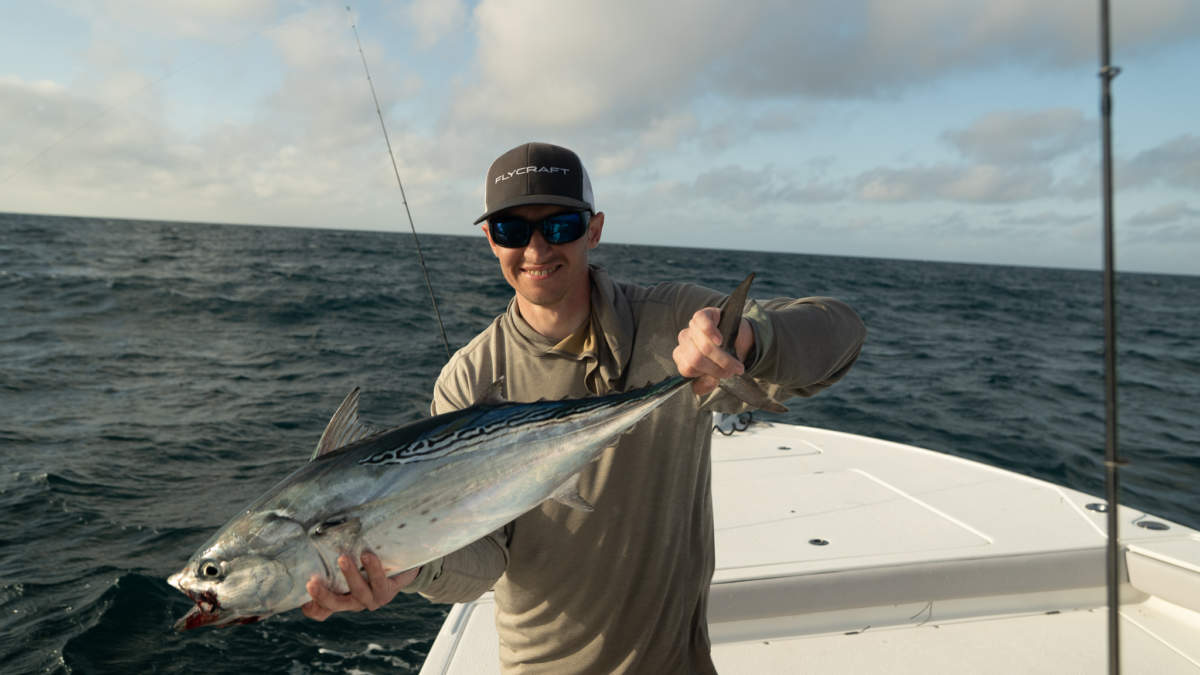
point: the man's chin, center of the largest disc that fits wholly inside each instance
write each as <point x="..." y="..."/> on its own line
<point x="542" y="297"/>
<point x="543" y="291"/>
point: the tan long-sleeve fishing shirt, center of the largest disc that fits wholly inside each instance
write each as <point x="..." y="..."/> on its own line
<point x="624" y="588"/>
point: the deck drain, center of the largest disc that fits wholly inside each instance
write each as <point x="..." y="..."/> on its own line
<point x="818" y="542"/>
<point x="1153" y="525"/>
<point x="1097" y="506"/>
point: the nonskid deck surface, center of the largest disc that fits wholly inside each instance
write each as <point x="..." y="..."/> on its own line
<point x="839" y="553"/>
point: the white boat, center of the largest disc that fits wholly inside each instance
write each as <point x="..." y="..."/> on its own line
<point x="839" y="553"/>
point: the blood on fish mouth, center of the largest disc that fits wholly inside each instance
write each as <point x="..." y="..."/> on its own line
<point x="205" y="600"/>
<point x="205" y="613"/>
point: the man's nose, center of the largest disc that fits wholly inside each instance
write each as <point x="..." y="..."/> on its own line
<point x="537" y="243"/>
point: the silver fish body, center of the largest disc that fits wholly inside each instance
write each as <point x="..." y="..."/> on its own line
<point x="409" y="494"/>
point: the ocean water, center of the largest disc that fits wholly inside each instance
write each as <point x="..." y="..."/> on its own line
<point x="156" y="377"/>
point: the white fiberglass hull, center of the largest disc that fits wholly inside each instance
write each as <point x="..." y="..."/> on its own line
<point x="839" y="553"/>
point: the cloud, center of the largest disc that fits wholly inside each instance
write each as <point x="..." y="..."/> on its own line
<point x="1023" y="137"/>
<point x="848" y="49"/>
<point x="1175" y="162"/>
<point x="625" y="63"/>
<point x="207" y="19"/>
<point x="310" y="150"/>
<point x="52" y="132"/>
<point x="1045" y="219"/>
<point x="1021" y="170"/>
<point x="1006" y="157"/>
<point x="1166" y="214"/>
<point x="612" y="62"/>
<point x="1171" y="222"/>
<point x="435" y="19"/>
<point x="744" y="189"/>
<point x="981" y="183"/>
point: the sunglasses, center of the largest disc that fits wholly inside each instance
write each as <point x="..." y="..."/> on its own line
<point x="561" y="228"/>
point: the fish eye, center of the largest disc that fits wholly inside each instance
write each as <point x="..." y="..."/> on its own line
<point x="209" y="569"/>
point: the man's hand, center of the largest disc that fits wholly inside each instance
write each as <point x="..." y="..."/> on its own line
<point x="700" y="355"/>
<point x="371" y="593"/>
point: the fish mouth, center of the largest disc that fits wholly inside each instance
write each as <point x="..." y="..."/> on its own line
<point x="207" y="612"/>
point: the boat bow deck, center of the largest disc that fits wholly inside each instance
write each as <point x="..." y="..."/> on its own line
<point x="839" y="553"/>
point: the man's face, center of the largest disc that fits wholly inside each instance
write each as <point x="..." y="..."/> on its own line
<point x="544" y="274"/>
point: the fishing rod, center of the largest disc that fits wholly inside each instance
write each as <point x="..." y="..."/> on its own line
<point x="403" y="197"/>
<point x="1112" y="461"/>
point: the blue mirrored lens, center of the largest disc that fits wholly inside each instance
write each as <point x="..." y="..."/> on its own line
<point x="562" y="228"/>
<point x="511" y="232"/>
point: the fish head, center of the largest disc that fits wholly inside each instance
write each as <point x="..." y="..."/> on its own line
<point x="256" y="566"/>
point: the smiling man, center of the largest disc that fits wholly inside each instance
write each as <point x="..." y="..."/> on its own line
<point x="622" y="588"/>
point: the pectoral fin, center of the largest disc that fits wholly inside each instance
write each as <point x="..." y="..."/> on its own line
<point x="567" y="494"/>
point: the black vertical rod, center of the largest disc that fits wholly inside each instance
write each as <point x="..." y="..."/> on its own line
<point x="1112" y="462"/>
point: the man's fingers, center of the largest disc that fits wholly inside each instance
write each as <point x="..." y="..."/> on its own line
<point x="381" y="586"/>
<point x="325" y="601"/>
<point x="703" y="385"/>
<point x="692" y="363"/>
<point x="371" y="593"/>
<point x="699" y="352"/>
<point x="359" y="589"/>
<point x="707" y="322"/>
<point x="706" y="335"/>
<point x="314" y="611"/>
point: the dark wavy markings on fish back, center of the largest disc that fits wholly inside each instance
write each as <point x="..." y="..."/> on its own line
<point x="481" y="421"/>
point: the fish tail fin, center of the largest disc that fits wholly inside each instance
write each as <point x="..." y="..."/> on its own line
<point x="731" y="312"/>
<point x="745" y="388"/>
<point x="750" y="392"/>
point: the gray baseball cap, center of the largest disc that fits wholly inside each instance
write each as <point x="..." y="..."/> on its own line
<point x="537" y="173"/>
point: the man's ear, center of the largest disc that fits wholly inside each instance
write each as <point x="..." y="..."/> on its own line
<point x="487" y="233"/>
<point x="595" y="226"/>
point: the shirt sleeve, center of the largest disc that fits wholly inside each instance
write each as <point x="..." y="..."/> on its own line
<point x="803" y="346"/>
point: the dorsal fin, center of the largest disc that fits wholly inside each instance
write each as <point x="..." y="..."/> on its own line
<point x="343" y="428"/>
<point x="731" y="313"/>
<point x="494" y="394"/>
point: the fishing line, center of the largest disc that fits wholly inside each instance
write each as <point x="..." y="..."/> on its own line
<point x="403" y="197"/>
<point x="1112" y="461"/>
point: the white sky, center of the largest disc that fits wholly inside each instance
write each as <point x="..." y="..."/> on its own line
<point x="962" y="130"/>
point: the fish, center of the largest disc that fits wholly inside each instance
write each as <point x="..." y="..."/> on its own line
<point x="417" y="492"/>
